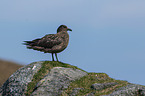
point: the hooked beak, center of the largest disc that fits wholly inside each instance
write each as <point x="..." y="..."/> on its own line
<point x="69" y="29"/>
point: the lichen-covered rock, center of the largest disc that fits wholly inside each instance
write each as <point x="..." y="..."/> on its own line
<point x="100" y="86"/>
<point x="52" y="84"/>
<point x="75" y="91"/>
<point x="90" y="94"/>
<point x="17" y="83"/>
<point x="129" y="90"/>
<point x="56" y="80"/>
<point x="52" y="78"/>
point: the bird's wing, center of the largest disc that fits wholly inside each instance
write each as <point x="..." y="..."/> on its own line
<point x="48" y="41"/>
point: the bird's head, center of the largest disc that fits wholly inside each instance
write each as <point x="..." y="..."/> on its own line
<point x="63" y="28"/>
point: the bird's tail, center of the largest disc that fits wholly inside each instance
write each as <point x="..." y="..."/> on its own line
<point x="27" y="42"/>
<point x="34" y="42"/>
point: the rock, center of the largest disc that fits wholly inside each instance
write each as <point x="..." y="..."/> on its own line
<point x="90" y="94"/>
<point x="129" y="90"/>
<point x="7" y="68"/>
<point x="51" y="78"/>
<point x="100" y="86"/>
<point x="56" y="80"/>
<point x="75" y="91"/>
<point x="17" y="83"/>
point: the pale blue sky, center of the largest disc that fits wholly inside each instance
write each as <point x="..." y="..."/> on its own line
<point x="108" y="35"/>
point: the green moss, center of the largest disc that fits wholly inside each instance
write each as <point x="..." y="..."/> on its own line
<point x="86" y="82"/>
<point x="46" y="67"/>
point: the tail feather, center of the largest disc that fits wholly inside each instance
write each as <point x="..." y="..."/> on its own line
<point x="27" y="42"/>
<point x="34" y="45"/>
<point x="31" y="42"/>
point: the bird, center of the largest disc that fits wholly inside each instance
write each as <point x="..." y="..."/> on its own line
<point x="51" y="43"/>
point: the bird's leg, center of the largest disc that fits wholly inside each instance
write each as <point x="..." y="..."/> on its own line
<point x="52" y="57"/>
<point x="56" y="56"/>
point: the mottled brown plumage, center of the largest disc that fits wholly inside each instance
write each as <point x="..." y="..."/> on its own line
<point x="51" y="43"/>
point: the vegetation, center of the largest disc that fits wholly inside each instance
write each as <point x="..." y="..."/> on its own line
<point x="85" y="82"/>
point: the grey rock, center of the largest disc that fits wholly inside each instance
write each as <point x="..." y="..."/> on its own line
<point x="90" y="94"/>
<point x="56" y="80"/>
<point x="52" y="84"/>
<point x="100" y="86"/>
<point x="17" y="82"/>
<point x="129" y="90"/>
<point x="75" y="91"/>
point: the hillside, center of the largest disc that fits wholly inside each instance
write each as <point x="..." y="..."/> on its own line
<point x="6" y="69"/>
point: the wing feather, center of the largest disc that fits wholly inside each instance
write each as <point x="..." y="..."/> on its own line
<point x="48" y="41"/>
